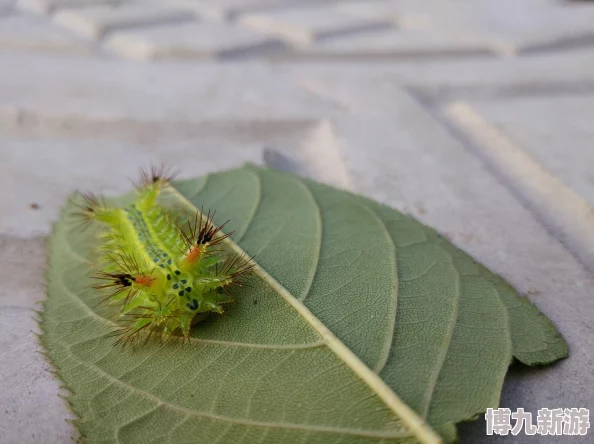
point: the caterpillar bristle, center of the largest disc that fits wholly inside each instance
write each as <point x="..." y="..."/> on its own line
<point x="87" y="209"/>
<point x="128" y="263"/>
<point x="236" y="268"/>
<point x="203" y="230"/>
<point x="155" y="176"/>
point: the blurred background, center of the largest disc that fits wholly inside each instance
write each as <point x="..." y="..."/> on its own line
<point x="474" y="116"/>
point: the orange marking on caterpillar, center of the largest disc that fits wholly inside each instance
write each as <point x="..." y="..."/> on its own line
<point x="195" y="253"/>
<point x="145" y="280"/>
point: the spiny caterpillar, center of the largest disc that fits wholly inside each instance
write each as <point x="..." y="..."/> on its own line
<point x="164" y="278"/>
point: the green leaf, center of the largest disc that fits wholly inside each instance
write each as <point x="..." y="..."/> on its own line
<point x="360" y="325"/>
<point x="439" y="328"/>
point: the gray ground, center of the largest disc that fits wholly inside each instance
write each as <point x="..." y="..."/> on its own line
<point x="474" y="116"/>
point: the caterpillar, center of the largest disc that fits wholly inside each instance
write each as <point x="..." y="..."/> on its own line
<point x="165" y="278"/>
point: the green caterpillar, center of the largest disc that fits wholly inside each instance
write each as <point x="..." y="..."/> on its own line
<point x="164" y="278"/>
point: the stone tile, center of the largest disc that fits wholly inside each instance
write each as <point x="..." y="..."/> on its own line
<point x="409" y="14"/>
<point x="563" y="39"/>
<point x="394" y="43"/>
<point x="306" y="25"/>
<point x="388" y="10"/>
<point x="510" y="25"/>
<point x="317" y="154"/>
<point x="468" y="76"/>
<point x="30" y="393"/>
<point x="80" y="118"/>
<point x="51" y="6"/>
<point x="227" y="9"/>
<point x="127" y="91"/>
<point x="97" y="21"/>
<point x="546" y="160"/>
<point x="6" y="6"/>
<point x="491" y="16"/>
<point x="20" y="33"/>
<point x="189" y="40"/>
<point x="104" y="155"/>
<point x="221" y="10"/>
<point x="562" y="145"/>
<point x="50" y="179"/>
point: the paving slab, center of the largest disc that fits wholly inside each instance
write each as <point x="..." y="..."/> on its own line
<point x="569" y="215"/>
<point x="95" y="22"/>
<point x="222" y="10"/>
<point x="307" y="25"/>
<point x="32" y="410"/>
<point x="507" y="24"/>
<point x="50" y="6"/>
<point x="193" y="148"/>
<point x="468" y="77"/>
<point x="555" y="131"/>
<point x="126" y="90"/>
<point x="398" y="44"/>
<point x="22" y="33"/>
<point x="6" y="6"/>
<point x="190" y="41"/>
